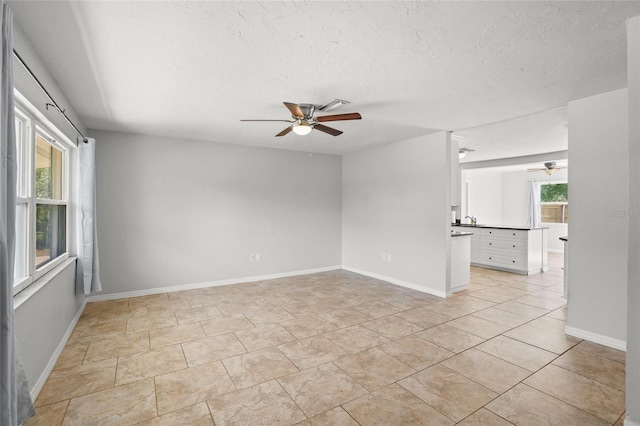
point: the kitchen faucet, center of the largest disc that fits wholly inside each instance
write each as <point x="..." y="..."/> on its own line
<point x="473" y="220"/>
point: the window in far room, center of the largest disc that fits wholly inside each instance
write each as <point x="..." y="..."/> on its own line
<point x="554" y="199"/>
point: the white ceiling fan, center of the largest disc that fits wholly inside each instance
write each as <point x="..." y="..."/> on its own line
<point x="549" y="168"/>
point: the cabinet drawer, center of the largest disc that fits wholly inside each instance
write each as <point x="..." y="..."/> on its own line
<point x="504" y="233"/>
<point x="512" y="245"/>
<point x="514" y="262"/>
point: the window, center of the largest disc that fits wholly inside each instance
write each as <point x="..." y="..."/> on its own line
<point x="42" y="222"/>
<point x="554" y="199"/>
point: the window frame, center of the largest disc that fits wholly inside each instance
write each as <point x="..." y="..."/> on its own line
<point x="33" y="123"/>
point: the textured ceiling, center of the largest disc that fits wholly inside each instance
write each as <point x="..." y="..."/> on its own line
<point x="193" y="69"/>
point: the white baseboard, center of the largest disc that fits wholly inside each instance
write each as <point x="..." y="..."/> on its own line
<point x="628" y="422"/>
<point x="37" y="386"/>
<point x="159" y="290"/>
<point x="596" y="338"/>
<point x="395" y="281"/>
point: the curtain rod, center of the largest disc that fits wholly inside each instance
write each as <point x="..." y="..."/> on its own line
<point x="53" y="102"/>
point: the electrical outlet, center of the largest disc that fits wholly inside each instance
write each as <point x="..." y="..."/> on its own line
<point x="257" y="257"/>
<point x="384" y="257"/>
<point x="388" y="258"/>
<point x="252" y="257"/>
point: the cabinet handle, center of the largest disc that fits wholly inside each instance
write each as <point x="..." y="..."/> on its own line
<point x="514" y="246"/>
<point x="514" y="233"/>
<point x="489" y="258"/>
<point x="513" y="261"/>
<point x="489" y="243"/>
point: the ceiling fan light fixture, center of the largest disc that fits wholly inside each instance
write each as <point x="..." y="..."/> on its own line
<point x="462" y="152"/>
<point x="302" y="129"/>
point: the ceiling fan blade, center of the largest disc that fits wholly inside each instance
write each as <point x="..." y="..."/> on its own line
<point x="286" y="121"/>
<point x="295" y="109"/>
<point x="339" y="117"/>
<point x="326" y="129"/>
<point x="285" y="131"/>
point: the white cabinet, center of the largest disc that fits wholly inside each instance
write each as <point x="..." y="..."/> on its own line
<point x="515" y="250"/>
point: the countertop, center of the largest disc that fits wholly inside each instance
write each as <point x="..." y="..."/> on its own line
<point x="460" y="234"/>
<point x="516" y="227"/>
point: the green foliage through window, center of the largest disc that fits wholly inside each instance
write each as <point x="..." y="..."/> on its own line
<point x="554" y="193"/>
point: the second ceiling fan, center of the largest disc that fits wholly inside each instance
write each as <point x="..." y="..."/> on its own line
<point x="303" y="120"/>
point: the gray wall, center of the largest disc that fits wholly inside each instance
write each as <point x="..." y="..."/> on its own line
<point x="42" y="320"/>
<point x="179" y="212"/>
<point x="633" y="295"/>
<point x="598" y="223"/>
<point x="396" y="201"/>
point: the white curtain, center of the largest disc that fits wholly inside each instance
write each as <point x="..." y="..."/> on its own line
<point x="535" y="210"/>
<point x="87" y="269"/>
<point x="15" y="402"/>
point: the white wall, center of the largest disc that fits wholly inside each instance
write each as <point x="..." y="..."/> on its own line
<point x="179" y="212"/>
<point x="484" y="196"/>
<point x="396" y="201"/>
<point x="598" y="223"/>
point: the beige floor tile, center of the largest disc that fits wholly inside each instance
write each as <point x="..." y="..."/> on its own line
<point x="70" y="382"/>
<point x="321" y="388"/>
<point x="394" y="405"/>
<point x="603" y="351"/>
<point x="117" y="345"/>
<point x="521" y="354"/>
<point x="422" y="317"/>
<point x="122" y="315"/>
<point x="501" y="317"/>
<point x="374" y="368"/>
<point x="225" y="325"/>
<point x="416" y="352"/>
<point x="263" y="337"/>
<point x="478" y="326"/>
<point x="450" y="338"/>
<point x="269" y="316"/>
<point x="257" y="367"/>
<point x="523" y="405"/>
<point x="265" y="404"/>
<point x="151" y="322"/>
<point x="524" y="286"/>
<point x="450" y="393"/>
<point x="187" y="294"/>
<point x="484" y="417"/>
<point x="109" y="305"/>
<point x="341" y="318"/>
<point x="392" y="327"/>
<point x="523" y="309"/>
<point x="243" y="307"/>
<point x="459" y="306"/>
<point x="334" y="417"/>
<point x="72" y="355"/>
<point x="547" y="293"/>
<point x="603" y="370"/>
<point x="356" y="338"/>
<point x="188" y="387"/>
<point x="132" y="368"/>
<point x="307" y="326"/>
<point x="405" y="302"/>
<point x="560" y="313"/>
<point x="547" y="323"/>
<point x="87" y="332"/>
<point x="539" y="302"/>
<point x="126" y="404"/>
<point x="312" y="351"/>
<point x="206" y="300"/>
<point x="196" y="415"/>
<point x="211" y="349"/>
<point x="48" y="415"/>
<point x="174" y="335"/>
<point x="499" y="294"/>
<point x="553" y="342"/>
<point x="588" y="395"/>
<point x="197" y="314"/>
<point x="149" y="300"/>
<point x="377" y="309"/>
<point x="491" y="372"/>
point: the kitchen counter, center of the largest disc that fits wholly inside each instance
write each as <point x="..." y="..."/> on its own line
<point x="515" y="227"/>
<point x="460" y="234"/>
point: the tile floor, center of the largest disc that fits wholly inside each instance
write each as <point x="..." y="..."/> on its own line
<point x="336" y="348"/>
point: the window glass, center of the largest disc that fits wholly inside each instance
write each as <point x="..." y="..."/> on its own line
<point x="21" y="270"/>
<point x="51" y="236"/>
<point x="48" y="170"/>
<point x="555" y="202"/>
